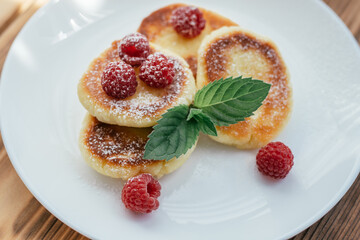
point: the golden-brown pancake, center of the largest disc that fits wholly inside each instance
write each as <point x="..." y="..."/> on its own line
<point x="117" y="151"/>
<point x="233" y="51"/>
<point x="158" y="29"/>
<point x="147" y="105"/>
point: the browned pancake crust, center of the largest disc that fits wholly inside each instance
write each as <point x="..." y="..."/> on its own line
<point x="118" y="151"/>
<point x="147" y="105"/>
<point x="112" y="144"/>
<point x="92" y="85"/>
<point x="273" y="114"/>
<point x="159" y="20"/>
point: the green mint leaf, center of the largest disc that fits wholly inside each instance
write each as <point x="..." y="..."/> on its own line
<point x="204" y="122"/>
<point x="231" y="100"/>
<point x="193" y="112"/>
<point x="172" y="136"/>
<point x="221" y="103"/>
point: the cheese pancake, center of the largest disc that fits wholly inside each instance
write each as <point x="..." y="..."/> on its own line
<point x="233" y="51"/>
<point x="147" y="105"/>
<point x="117" y="151"/>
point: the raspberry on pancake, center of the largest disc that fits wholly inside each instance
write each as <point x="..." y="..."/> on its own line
<point x="147" y="104"/>
<point x="159" y="29"/>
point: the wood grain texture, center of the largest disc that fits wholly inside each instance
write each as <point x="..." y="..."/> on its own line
<point x="23" y="217"/>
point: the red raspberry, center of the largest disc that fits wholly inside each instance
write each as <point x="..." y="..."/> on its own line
<point x="188" y="21"/>
<point x="275" y="160"/>
<point x="134" y="49"/>
<point x="118" y="80"/>
<point x="140" y="193"/>
<point x="157" y="71"/>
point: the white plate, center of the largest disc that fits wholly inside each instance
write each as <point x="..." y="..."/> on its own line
<point x="218" y="193"/>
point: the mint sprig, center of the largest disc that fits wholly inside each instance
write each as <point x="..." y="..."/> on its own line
<point x="205" y="123"/>
<point x="220" y="103"/>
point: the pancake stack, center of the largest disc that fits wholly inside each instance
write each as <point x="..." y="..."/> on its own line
<point x="115" y="132"/>
<point x="222" y="50"/>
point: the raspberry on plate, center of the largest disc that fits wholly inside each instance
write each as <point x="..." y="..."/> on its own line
<point x="157" y="71"/>
<point x="134" y="49"/>
<point x="118" y="80"/>
<point x="275" y="160"/>
<point x="140" y="193"/>
<point x="188" y="21"/>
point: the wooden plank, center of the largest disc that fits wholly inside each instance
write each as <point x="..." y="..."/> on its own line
<point x="8" y="12"/>
<point x="23" y="217"/>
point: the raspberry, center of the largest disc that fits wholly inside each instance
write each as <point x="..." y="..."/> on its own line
<point x="118" y="80"/>
<point x="188" y="21"/>
<point x="157" y="71"/>
<point x="140" y="193"/>
<point x="275" y="160"/>
<point x="134" y="48"/>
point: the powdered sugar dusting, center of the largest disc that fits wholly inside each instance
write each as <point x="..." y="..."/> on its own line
<point x="257" y="54"/>
<point x="134" y="48"/>
<point x="145" y="103"/>
<point x="119" y="80"/>
<point x="157" y="71"/>
<point x="135" y="39"/>
<point x="188" y="21"/>
<point x="118" y="145"/>
<point x="238" y="54"/>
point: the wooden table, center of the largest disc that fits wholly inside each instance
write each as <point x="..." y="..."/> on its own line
<point x="23" y="217"/>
